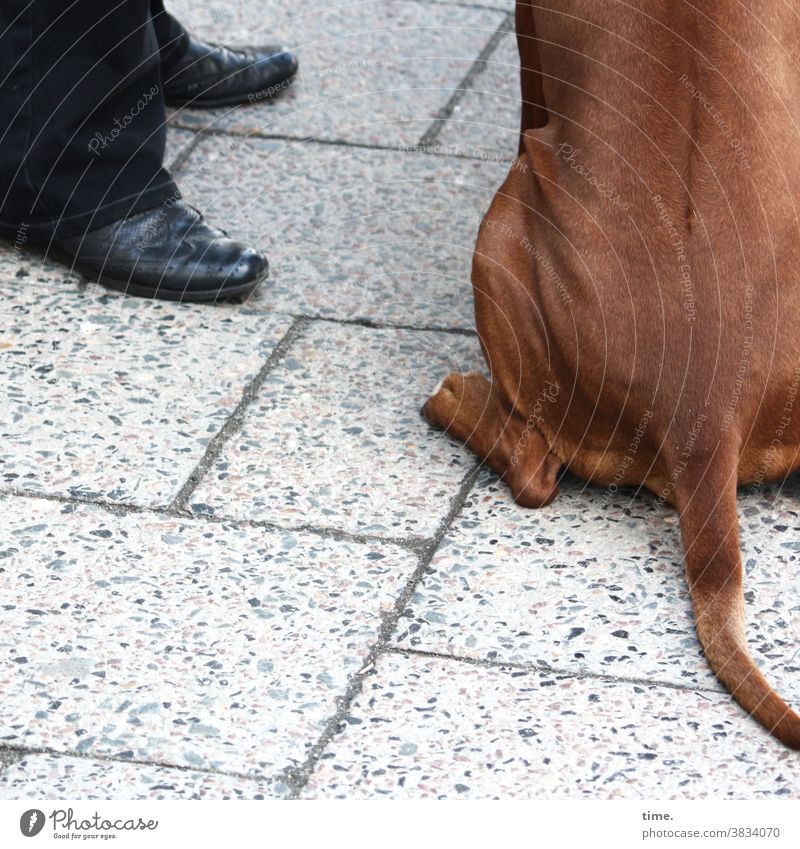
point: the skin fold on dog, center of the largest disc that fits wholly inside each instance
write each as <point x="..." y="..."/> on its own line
<point x="636" y="281"/>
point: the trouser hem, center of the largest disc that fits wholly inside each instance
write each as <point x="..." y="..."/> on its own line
<point x="39" y="231"/>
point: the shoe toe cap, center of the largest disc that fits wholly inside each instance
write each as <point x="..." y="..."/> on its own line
<point x="248" y="266"/>
<point x="277" y="63"/>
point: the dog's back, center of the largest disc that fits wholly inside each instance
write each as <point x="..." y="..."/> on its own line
<point x="667" y="170"/>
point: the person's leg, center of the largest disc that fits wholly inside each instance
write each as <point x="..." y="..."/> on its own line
<point x="82" y="132"/>
<point x="172" y="37"/>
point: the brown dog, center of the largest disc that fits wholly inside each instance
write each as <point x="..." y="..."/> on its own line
<point x="636" y="281"/>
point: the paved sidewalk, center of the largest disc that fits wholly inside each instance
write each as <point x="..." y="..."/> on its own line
<point x="235" y="562"/>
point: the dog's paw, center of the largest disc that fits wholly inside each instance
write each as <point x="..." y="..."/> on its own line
<point x="442" y="405"/>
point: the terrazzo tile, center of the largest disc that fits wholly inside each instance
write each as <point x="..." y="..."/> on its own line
<point x="180" y="642"/>
<point x="427" y="728"/>
<point x="113" y="397"/>
<point x="593" y="582"/>
<point x="386" y="236"/>
<point x="485" y="122"/>
<point x="374" y="72"/>
<point x="178" y="141"/>
<point x="28" y="269"/>
<point x="59" y="778"/>
<point x="334" y="437"/>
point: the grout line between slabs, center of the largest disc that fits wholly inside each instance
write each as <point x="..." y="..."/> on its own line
<point x="234" y="423"/>
<point x="379" y="325"/>
<point x="297" y="777"/>
<point x="183" y="155"/>
<point x="425" y="144"/>
<point x="478" y="66"/>
<point x="9" y="757"/>
<point x="580" y="674"/>
<point x="23" y="752"/>
<point x="411" y="543"/>
<point x="178" y="507"/>
<point x="203" y="133"/>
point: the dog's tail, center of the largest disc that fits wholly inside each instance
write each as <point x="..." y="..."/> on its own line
<point x="710" y="530"/>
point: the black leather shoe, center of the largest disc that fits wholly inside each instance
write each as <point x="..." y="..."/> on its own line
<point x="168" y="252"/>
<point x="209" y="75"/>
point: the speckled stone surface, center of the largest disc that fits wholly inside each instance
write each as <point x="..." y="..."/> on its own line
<point x="433" y="728"/>
<point x="371" y="72"/>
<point x="30" y="271"/>
<point x="595" y="583"/>
<point x="178" y="142"/>
<point x="205" y="653"/>
<point x="486" y="120"/>
<point x="111" y="397"/>
<point x="335" y="438"/>
<point x="350" y="233"/>
<point x="178" y="641"/>
<point x="8" y="756"/>
<point x="55" y="777"/>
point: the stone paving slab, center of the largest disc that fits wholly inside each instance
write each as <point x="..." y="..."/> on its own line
<point x="29" y="270"/>
<point x="180" y="642"/>
<point x="436" y="728"/>
<point x="595" y="583"/>
<point x="485" y="122"/>
<point x="384" y="236"/>
<point x="59" y="778"/>
<point x="334" y="437"/>
<point x="371" y="72"/>
<point x="112" y="397"/>
<point x="178" y="141"/>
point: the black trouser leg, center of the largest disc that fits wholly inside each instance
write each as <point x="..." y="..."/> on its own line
<point x="172" y="37"/>
<point x="82" y="128"/>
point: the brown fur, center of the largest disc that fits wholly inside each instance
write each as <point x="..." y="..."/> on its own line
<point x="638" y="270"/>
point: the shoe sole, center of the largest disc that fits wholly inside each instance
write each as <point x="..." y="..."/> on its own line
<point x="233" y="100"/>
<point x="193" y="296"/>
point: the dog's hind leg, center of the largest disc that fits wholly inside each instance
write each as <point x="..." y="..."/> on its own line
<point x="466" y="406"/>
<point x="706" y="501"/>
